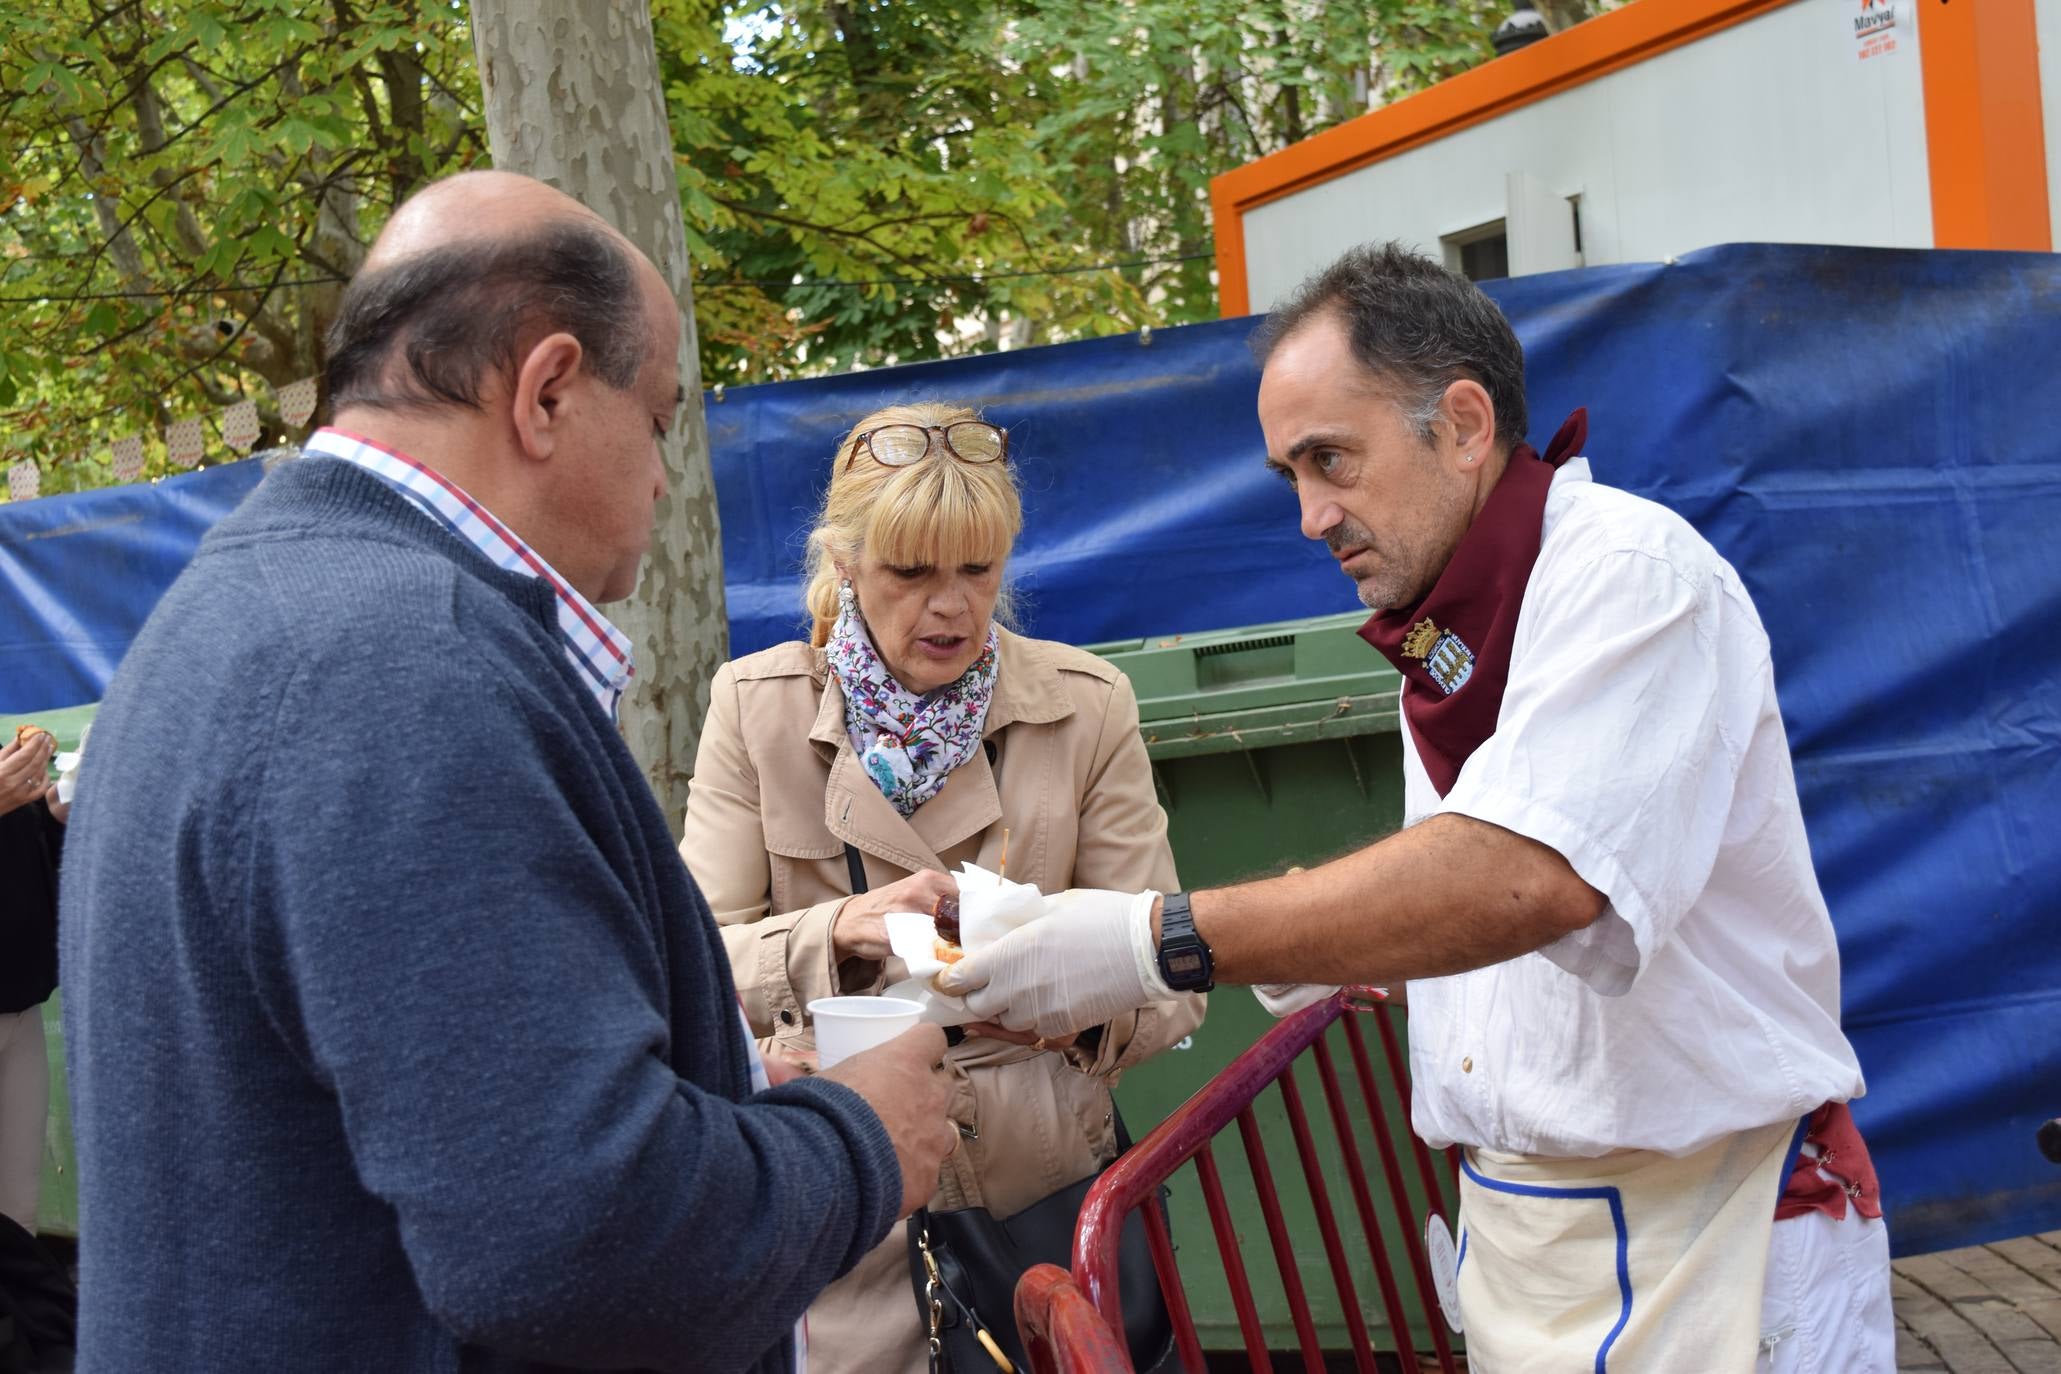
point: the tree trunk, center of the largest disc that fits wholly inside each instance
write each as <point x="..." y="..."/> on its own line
<point x="572" y="97"/>
<point x="1563" y="14"/>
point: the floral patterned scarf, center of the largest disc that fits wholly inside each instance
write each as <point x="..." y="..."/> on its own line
<point x="907" y="744"/>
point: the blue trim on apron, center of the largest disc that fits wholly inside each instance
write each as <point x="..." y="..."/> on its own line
<point x="1624" y="1240"/>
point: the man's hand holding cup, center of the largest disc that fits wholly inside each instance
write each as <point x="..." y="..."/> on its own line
<point x="904" y="1082"/>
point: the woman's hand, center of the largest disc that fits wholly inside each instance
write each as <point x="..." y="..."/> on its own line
<point x="25" y="769"/>
<point x="860" y="931"/>
<point x="995" y="1032"/>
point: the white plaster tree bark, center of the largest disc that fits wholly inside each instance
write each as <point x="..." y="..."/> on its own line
<point x="573" y="98"/>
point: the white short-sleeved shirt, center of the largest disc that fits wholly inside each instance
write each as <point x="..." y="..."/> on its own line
<point x="1640" y="738"/>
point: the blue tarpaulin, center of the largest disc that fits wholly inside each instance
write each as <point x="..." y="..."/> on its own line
<point x="78" y="575"/>
<point x="1873" y="437"/>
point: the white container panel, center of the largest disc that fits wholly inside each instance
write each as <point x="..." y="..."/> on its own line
<point x="1773" y="130"/>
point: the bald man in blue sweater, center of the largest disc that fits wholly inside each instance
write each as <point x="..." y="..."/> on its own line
<point x="400" y="1038"/>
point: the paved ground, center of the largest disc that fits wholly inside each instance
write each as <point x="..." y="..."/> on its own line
<point x="1991" y="1309"/>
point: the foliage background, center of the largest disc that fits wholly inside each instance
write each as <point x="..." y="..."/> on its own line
<point x="188" y="182"/>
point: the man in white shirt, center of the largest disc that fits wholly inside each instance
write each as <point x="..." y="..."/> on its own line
<point x="1623" y="982"/>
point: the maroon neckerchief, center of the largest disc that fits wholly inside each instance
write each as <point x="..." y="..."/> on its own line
<point x="1453" y="647"/>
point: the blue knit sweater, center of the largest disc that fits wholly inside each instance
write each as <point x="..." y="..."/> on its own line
<point x="400" y="1037"/>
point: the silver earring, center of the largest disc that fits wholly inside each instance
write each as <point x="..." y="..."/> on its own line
<point x="1468" y="459"/>
<point x="847" y="599"/>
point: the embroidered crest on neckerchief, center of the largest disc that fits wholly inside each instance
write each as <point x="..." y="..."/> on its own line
<point x="1417" y="643"/>
<point x="1447" y="661"/>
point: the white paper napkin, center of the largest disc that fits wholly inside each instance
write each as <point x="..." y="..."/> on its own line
<point x="990" y="906"/>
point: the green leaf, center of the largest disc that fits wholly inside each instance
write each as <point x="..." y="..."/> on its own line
<point x="802" y="152"/>
<point x="298" y="135"/>
<point x="267" y="244"/>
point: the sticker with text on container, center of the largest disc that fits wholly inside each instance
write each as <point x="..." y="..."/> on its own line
<point x="1444" y="1264"/>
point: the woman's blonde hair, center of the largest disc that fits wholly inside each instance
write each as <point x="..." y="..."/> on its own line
<point x="938" y="510"/>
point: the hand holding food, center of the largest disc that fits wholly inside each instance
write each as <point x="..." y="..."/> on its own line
<point x="860" y="931"/>
<point x="993" y="1031"/>
<point x="25" y="766"/>
<point x="951" y="926"/>
<point x="1091" y="958"/>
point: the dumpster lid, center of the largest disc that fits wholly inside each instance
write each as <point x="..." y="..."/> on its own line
<point x="1257" y="686"/>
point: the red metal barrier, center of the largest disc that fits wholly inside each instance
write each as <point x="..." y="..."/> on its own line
<point x="1062" y="1331"/>
<point x="1069" y="1323"/>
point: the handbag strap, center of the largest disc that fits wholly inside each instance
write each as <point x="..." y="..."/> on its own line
<point x="1123" y="1134"/>
<point x="937" y="1290"/>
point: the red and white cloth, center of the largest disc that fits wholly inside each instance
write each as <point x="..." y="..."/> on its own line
<point x="297" y="401"/>
<point x="598" y="650"/>
<point x="185" y="441"/>
<point x="240" y="427"/>
<point x="127" y="453"/>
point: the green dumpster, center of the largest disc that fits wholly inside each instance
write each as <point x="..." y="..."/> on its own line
<point x="65" y="724"/>
<point x="57" y="1213"/>
<point x="1272" y="747"/>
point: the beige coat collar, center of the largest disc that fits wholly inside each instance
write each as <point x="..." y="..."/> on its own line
<point x="1027" y="691"/>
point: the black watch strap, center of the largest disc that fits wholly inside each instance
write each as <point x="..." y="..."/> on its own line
<point x="1185" y="962"/>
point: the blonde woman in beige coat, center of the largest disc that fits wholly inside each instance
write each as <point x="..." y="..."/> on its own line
<point x="916" y="731"/>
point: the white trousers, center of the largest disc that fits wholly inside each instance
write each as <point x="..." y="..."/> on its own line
<point x="1825" y="1309"/>
<point x="24" y="1103"/>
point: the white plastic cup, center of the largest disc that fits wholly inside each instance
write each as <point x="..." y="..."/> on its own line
<point x="67" y="784"/>
<point x="846" y="1026"/>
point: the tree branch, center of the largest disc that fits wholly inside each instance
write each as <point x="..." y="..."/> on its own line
<point x="403" y="77"/>
<point x="834" y="230"/>
<point x="128" y="258"/>
<point x="150" y="128"/>
<point x="201" y="77"/>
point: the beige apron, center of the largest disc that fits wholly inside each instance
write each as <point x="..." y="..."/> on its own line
<point x="1634" y="1261"/>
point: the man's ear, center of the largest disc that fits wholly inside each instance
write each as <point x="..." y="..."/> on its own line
<point x="542" y="381"/>
<point x="1470" y="420"/>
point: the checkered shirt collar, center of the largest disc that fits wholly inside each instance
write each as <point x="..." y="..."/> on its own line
<point x="600" y="653"/>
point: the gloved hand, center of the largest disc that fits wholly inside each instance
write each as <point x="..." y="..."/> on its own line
<point x="1285" y="999"/>
<point x="1090" y="958"/>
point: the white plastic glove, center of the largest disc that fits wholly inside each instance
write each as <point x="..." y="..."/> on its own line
<point x="1090" y="958"/>
<point x="1285" y="999"/>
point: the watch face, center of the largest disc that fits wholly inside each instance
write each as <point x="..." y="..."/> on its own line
<point x="1183" y="963"/>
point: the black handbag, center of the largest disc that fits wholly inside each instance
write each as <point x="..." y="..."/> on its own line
<point x="965" y="1264"/>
